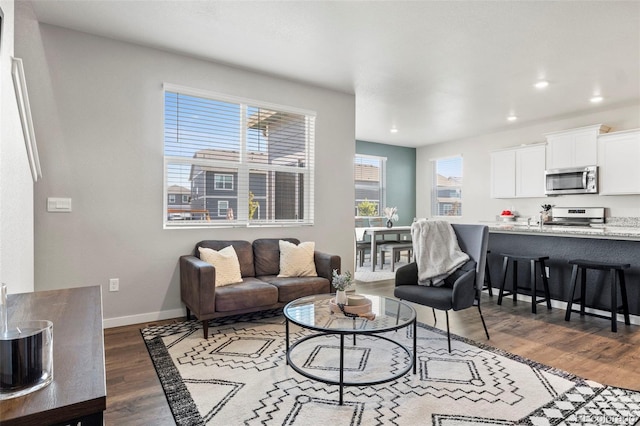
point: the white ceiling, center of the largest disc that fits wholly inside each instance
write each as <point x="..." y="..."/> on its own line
<point x="437" y="70"/>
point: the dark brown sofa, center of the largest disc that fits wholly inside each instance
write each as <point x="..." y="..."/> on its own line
<point x="260" y="288"/>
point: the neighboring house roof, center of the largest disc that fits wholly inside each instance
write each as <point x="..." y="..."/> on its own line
<point x="177" y="189"/>
<point x="225" y="155"/>
<point x="448" y="200"/>
<point x="449" y="181"/>
<point x="261" y="119"/>
<point x="367" y="172"/>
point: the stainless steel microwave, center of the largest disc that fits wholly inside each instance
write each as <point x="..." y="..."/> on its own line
<point x="579" y="180"/>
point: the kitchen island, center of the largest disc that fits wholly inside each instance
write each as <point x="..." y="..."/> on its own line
<point x="563" y="243"/>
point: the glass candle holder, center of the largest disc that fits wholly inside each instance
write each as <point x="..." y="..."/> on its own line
<point x="26" y="358"/>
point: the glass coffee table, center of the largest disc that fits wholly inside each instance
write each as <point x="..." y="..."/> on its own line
<point x="314" y="313"/>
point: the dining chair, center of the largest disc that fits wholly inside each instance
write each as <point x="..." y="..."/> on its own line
<point x="362" y="241"/>
<point x="362" y="246"/>
<point x="461" y="289"/>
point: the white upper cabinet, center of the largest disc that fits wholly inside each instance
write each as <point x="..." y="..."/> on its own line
<point x="503" y="174"/>
<point x="619" y="163"/>
<point x="574" y="147"/>
<point x="518" y="172"/>
<point x="530" y="162"/>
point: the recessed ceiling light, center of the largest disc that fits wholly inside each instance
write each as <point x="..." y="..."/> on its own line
<point x="512" y="117"/>
<point x="596" y="99"/>
<point x="393" y="130"/>
<point x="541" y="84"/>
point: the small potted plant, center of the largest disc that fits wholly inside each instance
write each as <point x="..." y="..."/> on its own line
<point x="341" y="282"/>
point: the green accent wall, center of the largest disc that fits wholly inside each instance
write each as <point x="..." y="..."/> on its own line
<point x="401" y="176"/>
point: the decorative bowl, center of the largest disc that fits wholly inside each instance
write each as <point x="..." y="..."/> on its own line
<point x="361" y="309"/>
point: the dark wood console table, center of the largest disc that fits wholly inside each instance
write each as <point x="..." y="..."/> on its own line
<point x="78" y="393"/>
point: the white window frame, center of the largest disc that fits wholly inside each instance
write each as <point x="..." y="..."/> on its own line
<point x="226" y="209"/>
<point x="185" y="198"/>
<point x="307" y="204"/>
<point x="435" y="211"/>
<point x="172" y="198"/>
<point x="223" y="181"/>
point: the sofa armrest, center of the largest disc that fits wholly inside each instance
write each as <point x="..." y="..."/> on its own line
<point x="407" y="274"/>
<point x="326" y="263"/>
<point x="197" y="285"/>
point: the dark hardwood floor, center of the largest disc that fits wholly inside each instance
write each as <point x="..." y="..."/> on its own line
<point x="585" y="347"/>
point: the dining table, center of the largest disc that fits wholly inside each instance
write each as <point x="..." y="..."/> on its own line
<point x="375" y="231"/>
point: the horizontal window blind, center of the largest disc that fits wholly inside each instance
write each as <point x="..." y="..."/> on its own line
<point x="241" y="162"/>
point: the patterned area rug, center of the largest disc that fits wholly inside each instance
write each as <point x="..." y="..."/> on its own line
<point x="239" y="376"/>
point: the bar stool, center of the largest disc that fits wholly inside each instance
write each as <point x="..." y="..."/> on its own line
<point x="487" y="276"/>
<point x="614" y="269"/>
<point x="534" y="261"/>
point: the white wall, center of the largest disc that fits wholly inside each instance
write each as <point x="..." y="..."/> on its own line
<point x="16" y="184"/>
<point x="99" y="114"/>
<point x="477" y="204"/>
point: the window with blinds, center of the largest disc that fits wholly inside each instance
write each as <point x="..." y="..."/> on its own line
<point x="446" y="195"/>
<point x="243" y="163"/>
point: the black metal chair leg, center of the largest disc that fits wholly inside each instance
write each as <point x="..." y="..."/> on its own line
<point x="448" y="333"/>
<point x="483" y="323"/>
<point x="435" y="318"/>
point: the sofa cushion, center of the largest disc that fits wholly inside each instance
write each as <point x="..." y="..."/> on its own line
<point x="266" y="255"/>
<point x="225" y="262"/>
<point x="249" y="294"/>
<point x="297" y="260"/>
<point x="292" y="288"/>
<point x="243" y="249"/>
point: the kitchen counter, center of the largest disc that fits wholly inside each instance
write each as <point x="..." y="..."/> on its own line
<point x="598" y="231"/>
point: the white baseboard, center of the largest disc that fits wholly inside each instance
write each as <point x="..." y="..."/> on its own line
<point x="143" y="318"/>
<point x="633" y="319"/>
<point x="176" y="313"/>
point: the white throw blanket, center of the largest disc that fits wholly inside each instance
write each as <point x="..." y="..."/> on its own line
<point x="436" y="250"/>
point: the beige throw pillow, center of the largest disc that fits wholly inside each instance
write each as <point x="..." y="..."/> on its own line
<point x="226" y="263"/>
<point x="297" y="260"/>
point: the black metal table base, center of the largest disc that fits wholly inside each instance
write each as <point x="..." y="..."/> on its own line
<point x="341" y="382"/>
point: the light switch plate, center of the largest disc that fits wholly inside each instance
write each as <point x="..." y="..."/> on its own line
<point x="58" y="205"/>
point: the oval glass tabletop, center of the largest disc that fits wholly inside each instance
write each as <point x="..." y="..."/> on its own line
<point x="316" y="313"/>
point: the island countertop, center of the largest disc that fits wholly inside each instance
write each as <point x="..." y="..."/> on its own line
<point x="594" y="231"/>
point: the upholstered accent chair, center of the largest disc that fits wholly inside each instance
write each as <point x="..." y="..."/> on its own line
<point x="461" y="289"/>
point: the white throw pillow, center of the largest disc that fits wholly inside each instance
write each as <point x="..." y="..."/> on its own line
<point x="297" y="260"/>
<point x="226" y="263"/>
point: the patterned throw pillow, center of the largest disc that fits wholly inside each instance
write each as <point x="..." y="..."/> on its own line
<point x="226" y="263"/>
<point x="297" y="260"/>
